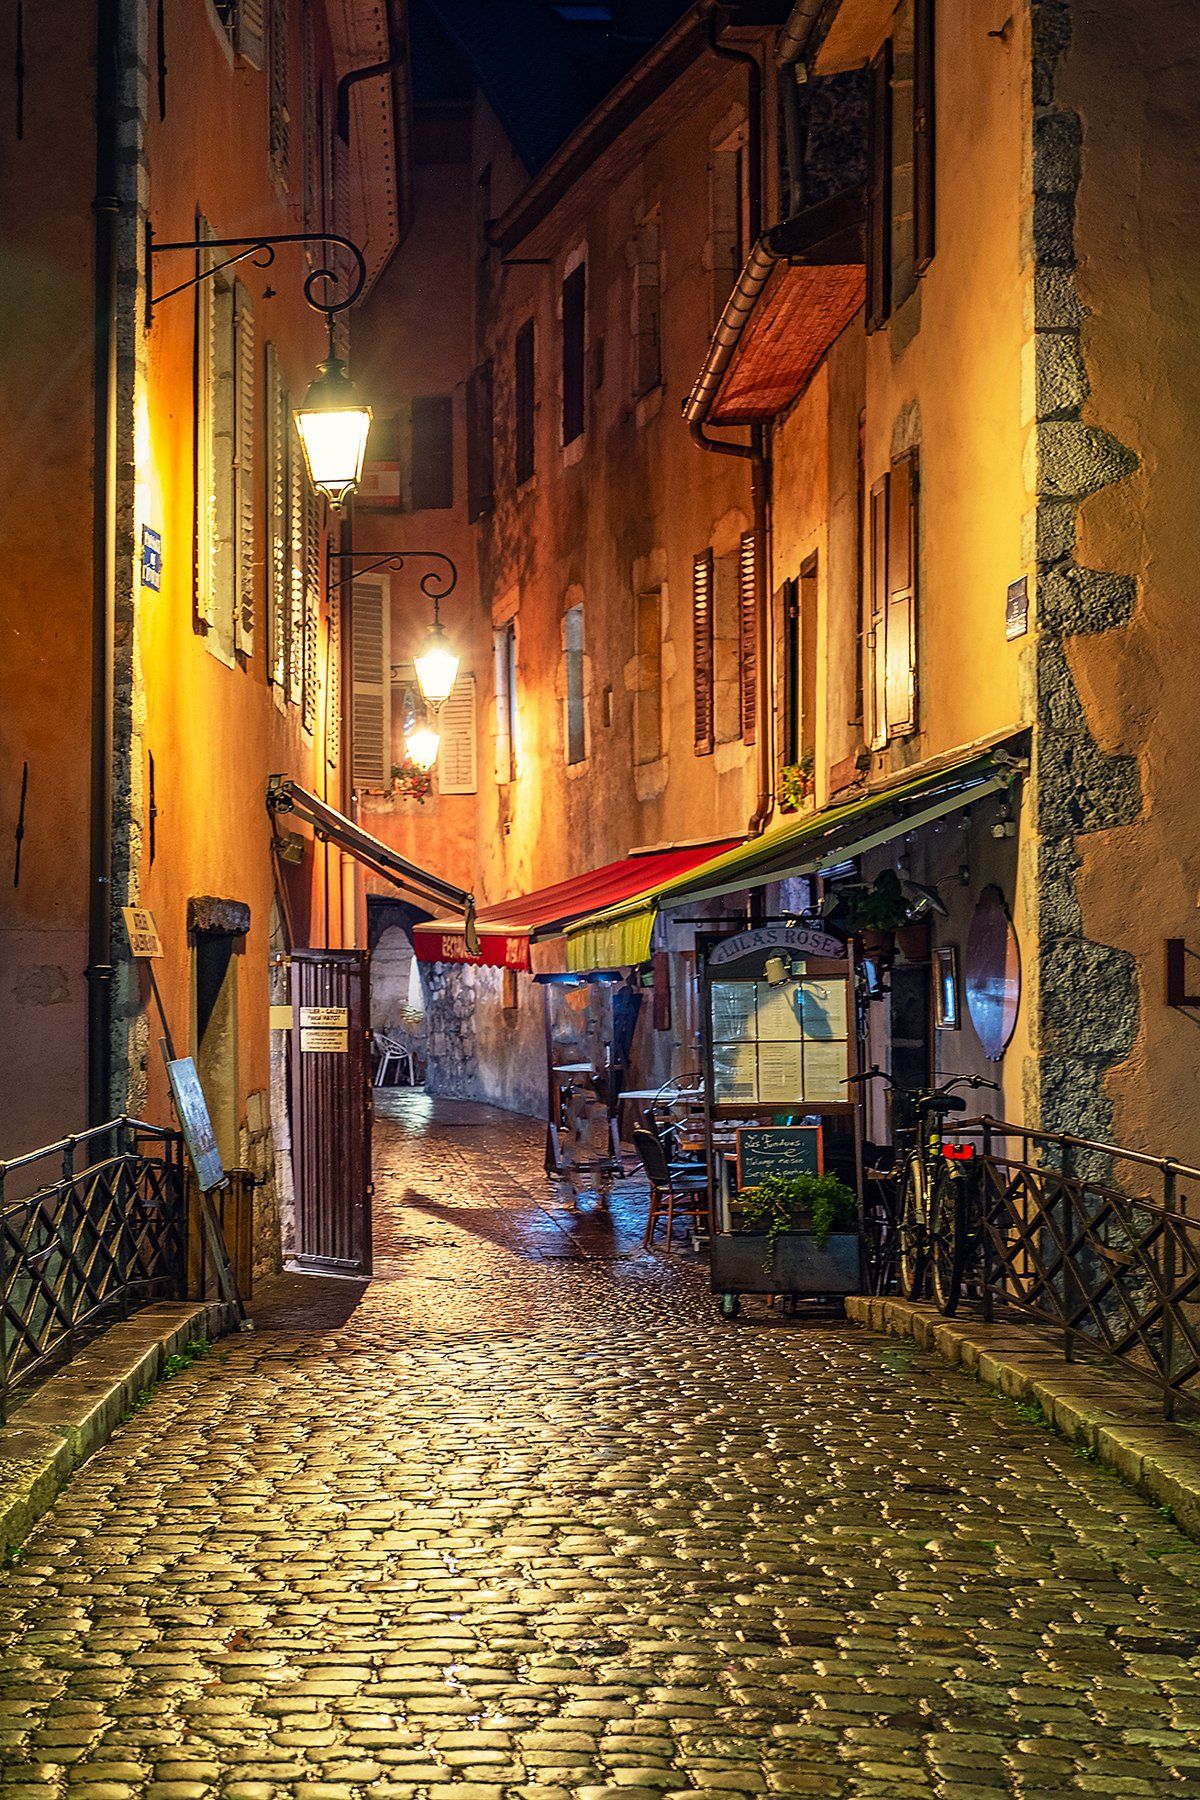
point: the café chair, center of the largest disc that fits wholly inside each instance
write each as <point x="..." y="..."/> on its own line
<point x="674" y="1187"/>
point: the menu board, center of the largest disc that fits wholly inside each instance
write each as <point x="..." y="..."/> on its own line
<point x="783" y="1044"/>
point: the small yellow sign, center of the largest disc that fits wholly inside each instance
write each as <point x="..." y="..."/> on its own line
<point x="336" y="1016"/>
<point x="143" y="932"/>
<point x="282" y="1018"/>
<point x="324" y="1038"/>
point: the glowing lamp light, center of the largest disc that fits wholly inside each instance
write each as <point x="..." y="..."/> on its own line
<point x="437" y="667"/>
<point x="423" y="745"/>
<point x="333" y="424"/>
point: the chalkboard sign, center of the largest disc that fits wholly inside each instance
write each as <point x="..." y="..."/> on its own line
<point x="778" y="1150"/>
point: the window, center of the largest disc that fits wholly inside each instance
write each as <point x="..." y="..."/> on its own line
<point x="574" y="335"/>
<point x="703" y="736"/>
<point x="525" y="403"/>
<point x="456" y="724"/>
<point x="432" y="463"/>
<point x="371" y="672"/>
<point x="891" y="600"/>
<point x="575" y="705"/>
<point x="800" y="667"/>
<point x="900" y="155"/>
<point x="727" y="225"/>
<point x="480" y="443"/>
<point x="278" y="116"/>
<point x="647" y="304"/>
<point x="647" y="700"/>
<point x="225" y="538"/>
<point x="505" y="644"/>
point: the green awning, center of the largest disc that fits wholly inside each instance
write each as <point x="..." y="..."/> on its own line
<point x="620" y="935"/>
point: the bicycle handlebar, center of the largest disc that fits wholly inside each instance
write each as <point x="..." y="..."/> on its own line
<point x="875" y="1073"/>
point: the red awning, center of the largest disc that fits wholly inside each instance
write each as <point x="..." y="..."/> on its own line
<point x="803" y="310"/>
<point x="506" y="930"/>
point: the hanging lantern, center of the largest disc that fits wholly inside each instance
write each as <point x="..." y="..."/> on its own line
<point x="333" y="424"/>
<point x="437" y="666"/>
<point x="423" y="745"/>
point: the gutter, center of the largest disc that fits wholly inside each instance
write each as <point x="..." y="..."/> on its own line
<point x="807" y="24"/>
<point x="106" y="210"/>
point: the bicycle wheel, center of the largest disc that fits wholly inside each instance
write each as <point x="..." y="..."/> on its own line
<point x="948" y="1227"/>
<point x="912" y="1245"/>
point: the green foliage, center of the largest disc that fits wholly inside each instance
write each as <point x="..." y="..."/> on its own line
<point x="819" y="1204"/>
<point x="797" y="782"/>
<point x="183" y="1359"/>
<point x="881" y="907"/>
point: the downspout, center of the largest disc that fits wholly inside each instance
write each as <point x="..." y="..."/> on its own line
<point x="105" y="208"/>
<point x="756" y="451"/>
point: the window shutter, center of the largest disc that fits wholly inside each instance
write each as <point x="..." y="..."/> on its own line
<point x="574" y="331"/>
<point x="792" y="698"/>
<point x="298" y="488"/>
<point x="923" y="135"/>
<point x="876" y="609"/>
<point x="277" y="521"/>
<point x="333" y="689"/>
<point x="249" y="37"/>
<point x="661" y="992"/>
<point x="312" y="610"/>
<point x="879" y="187"/>
<point x="206" y="408"/>
<point x="243" y="471"/>
<point x="371" y="673"/>
<point x="748" y="634"/>
<point x="432" y="442"/>
<point x="278" y="118"/>
<point x="901" y="597"/>
<point x="457" y="772"/>
<point x="525" y="395"/>
<point x="312" y="123"/>
<point x="480" y="441"/>
<point x="702" y="651"/>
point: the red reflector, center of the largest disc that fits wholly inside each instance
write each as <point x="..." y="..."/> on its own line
<point x="958" y="1152"/>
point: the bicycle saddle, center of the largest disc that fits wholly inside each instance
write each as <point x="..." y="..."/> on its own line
<point x="942" y="1103"/>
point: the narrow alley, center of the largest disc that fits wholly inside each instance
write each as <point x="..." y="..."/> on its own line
<point x="523" y="1517"/>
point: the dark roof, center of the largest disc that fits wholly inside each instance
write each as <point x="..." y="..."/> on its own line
<point x="542" y="65"/>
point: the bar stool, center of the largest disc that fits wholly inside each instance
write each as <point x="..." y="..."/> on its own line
<point x="674" y="1187"/>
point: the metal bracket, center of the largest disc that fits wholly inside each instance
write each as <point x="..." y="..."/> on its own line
<point x="433" y="585"/>
<point x="320" y="285"/>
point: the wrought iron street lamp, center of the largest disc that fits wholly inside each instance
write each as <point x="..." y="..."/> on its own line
<point x="437" y="663"/>
<point x="423" y="745"/>
<point x="333" y="423"/>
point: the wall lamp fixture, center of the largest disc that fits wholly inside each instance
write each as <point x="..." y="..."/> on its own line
<point x="437" y="662"/>
<point x="332" y="422"/>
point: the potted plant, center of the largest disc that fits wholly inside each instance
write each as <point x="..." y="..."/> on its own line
<point x="412" y="781"/>
<point x="792" y="1235"/>
<point x="797" y="782"/>
<point x="873" y="914"/>
<point x="815" y="1206"/>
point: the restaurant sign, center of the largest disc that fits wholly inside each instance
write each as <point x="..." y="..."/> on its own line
<point x="799" y="940"/>
<point x="497" y="950"/>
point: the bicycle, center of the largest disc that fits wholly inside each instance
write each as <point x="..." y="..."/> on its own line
<point x="934" y="1215"/>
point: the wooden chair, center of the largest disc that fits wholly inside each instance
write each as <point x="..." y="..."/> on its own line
<point x="674" y="1187"/>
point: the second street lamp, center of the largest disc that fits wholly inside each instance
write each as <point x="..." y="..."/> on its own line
<point x="437" y="665"/>
<point x="332" y="426"/>
<point x="437" y="661"/>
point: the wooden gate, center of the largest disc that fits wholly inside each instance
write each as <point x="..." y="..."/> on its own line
<point x="331" y="1111"/>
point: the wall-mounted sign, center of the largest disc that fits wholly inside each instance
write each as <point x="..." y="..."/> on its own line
<point x="802" y="940"/>
<point x="152" y="558"/>
<point x="143" y="932"/>
<point x="282" y="1018"/>
<point x="1016" y="609"/>
<point x="194" y="1122"/>
<point x="336" y="1016"/>
<point x="324" y="1040"/>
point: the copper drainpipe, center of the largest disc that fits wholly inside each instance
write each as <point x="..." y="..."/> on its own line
<point x="756" y="452"/>
<point x="105" y="209"/>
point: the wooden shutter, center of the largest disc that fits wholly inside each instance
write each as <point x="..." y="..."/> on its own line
<point x="457" y="772"/>
<point x="245" y="559"/>
<point x="206" y="408"/>
<point x="432" y="453"/>
<point x="298" y="488"/>
<point x="923" y="135"/>
<point x="792" y="697"/>
<point x="277" y="521"/>
<point x="748" y="634"/>
<point x="250" y="31"/>
<point x="661" y="993"/>
<point x="702" y="651"/>
<point x="333" y="682"/>
<point x="879" y="187"/>
<point x="574" y="334"/>
<point x="875" y="638"/>
<point x="278" y="115"/>
<point x="312" y="610"/>
<point x="371" y="674"/>
<point x="480" y="440"/>
<point x="312" y="123"/>
<point x="901" y="658"/>
<point x="525" y="396"/>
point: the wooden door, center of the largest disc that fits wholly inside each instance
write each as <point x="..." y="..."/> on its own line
<point x="331" y="1111"/>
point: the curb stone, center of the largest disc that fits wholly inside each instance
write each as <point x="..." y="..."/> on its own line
<point x="1121" y="1427"/>
<point x="78" y="1408"/>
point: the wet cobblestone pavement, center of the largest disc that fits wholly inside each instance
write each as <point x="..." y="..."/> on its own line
<point x="523" y="1518"/>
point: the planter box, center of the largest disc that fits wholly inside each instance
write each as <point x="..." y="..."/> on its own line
<point x="739" y="1264"/>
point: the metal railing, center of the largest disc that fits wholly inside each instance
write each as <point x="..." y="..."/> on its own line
<point x="93" y="1239"/>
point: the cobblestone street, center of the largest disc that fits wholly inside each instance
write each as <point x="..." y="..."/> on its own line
<point x="523" y="1517"/>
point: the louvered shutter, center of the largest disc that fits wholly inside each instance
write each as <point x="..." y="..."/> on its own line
<point x="923" y="135"/>
<point x="333" y="690"/>
<point x="297" y="489"/>
<point x="574" y="337"/>
<point x="278" y="115"/>
<point x="342" y="222"/>
<point x="879" y="187"/>
<point x="901" y="657"/>
<point x="370" y="661"/>
<point x="876" y="610"/>
<point x="249" y="36"/>
<point x="457" y="772"/>
<point x="792" y="697"/>
<point x="748" y="634"/>
<point x="702" y="651"/>
<point x="206" y="495"/>
<point x="312" y="122"/>
<point x="245" y="558"/>
<point x="312" y="610"/>
<point x="277" y="521"/>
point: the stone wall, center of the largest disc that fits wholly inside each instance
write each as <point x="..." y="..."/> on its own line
<point x="478" y="1049"/>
